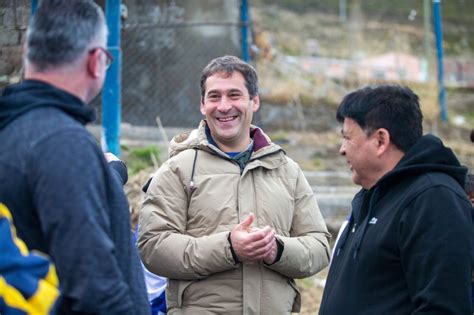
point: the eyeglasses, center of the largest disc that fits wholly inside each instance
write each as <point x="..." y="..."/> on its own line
<point x="108" y="55"/>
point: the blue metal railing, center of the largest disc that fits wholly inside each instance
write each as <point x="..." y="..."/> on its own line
<point x="439" y="53"/>
<point x="34" y="4"/>
<point x="244" y="19"/>
<point x="111" y="93"/>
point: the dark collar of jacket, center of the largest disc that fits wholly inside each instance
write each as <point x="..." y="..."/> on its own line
<point x="20" y="98"/>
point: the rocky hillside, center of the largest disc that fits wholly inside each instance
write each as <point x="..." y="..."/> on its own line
<point x="293" y="37"/>
<point x="285" y="31"/>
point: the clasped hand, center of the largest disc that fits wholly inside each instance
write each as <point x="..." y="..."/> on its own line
<point x="254" y="244"/>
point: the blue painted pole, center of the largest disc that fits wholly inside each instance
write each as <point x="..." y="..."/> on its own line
<point x="439" y="53"/>
<point x="111" y="97"/>
<point x="342" y="10"/>
<point x="244" y="19"/>
<point x="34" y="5"/>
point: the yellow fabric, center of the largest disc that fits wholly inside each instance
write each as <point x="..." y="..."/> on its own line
<point x="52" y="277"/>
<point x="5" y="213"/>
<point x="46" y="294"/>
<point x="43" y="300"/>
<point x="14" y="299"/>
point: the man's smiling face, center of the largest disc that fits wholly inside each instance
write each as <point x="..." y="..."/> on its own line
<point x="229" y="110"/>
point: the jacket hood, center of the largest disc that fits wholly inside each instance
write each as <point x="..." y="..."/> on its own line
<point x="20" y="98"/>
<point x="184" y="141"/>
<point x="428" y="154"/>
<point x="197" y="138"/>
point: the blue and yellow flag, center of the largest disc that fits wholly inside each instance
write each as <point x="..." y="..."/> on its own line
<point x="28" y="281"/>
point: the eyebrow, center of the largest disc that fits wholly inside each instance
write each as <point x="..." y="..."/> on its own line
<point x="224" y="91"/>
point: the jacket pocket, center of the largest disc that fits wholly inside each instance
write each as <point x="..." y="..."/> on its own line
<point x="175" y="292"/>
<point x="297" y="302"/>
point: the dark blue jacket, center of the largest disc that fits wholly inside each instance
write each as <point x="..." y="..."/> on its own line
<point x="408" y="247"/>
<point x="66" y="201"/>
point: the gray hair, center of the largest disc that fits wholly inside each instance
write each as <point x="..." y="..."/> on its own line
<point x="227" y="65"/>
<point x="62" y="30"/>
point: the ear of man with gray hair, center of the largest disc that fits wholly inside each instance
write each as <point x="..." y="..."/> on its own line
<point x="66" y="200"/>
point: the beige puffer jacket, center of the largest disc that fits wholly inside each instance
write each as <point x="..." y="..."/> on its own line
<point x="193" y="202"/>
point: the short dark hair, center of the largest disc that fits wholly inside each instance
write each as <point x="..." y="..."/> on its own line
<point x="62" y="30"/>
<point x="227" y="65"/>
<point x="393" y="107"/>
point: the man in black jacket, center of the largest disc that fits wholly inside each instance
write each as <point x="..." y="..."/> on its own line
<point x="408" y="246"/>
<point x="66" y="200"/>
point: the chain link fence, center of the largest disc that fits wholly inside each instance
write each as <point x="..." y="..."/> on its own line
<point x="165" y="46"/>
<point x="307" y="53"/>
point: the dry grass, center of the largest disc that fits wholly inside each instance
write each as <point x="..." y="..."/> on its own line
<point x="285" y="84"/>
<point x="312" y="292"/>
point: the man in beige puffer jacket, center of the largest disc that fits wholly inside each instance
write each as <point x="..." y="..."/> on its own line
<point x="229" y="219"/>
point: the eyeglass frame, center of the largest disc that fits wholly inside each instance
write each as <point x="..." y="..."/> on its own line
<point x="109" y="58"/>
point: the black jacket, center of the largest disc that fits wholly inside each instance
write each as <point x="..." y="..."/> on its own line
<point x="408" y="247"/>
<point x="66" y="201"/>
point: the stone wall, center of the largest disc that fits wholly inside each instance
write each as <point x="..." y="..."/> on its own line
<point x="13" y="20"/>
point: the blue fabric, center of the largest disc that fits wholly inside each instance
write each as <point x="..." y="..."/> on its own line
<point x="232" y="154"/>
<point x="241" y="158"/>
<point x="472" y="296"/>
<point x="158" y="305"/>
<point x="21" y="272"/>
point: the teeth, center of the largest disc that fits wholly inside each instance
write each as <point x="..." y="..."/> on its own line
<point x="226" y="119"/>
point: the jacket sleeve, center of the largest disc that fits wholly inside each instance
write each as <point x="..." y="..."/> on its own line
<point x="435" y="239"/>
<point x="119" y="171"/>
<point x="306" y="251"/>
<point x="165" y="247"/>
<point x="69" y="191"/>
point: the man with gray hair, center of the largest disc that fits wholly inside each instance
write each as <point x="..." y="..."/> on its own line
<point x="229" y="218"/>
<point x="66" y="200"/>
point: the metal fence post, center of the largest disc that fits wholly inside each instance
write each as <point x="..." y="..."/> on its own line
<point x="34" y="4"/>
<point x="244" y="19"/>
<point x="111" y="93"/>
<point x="439" y="52"/>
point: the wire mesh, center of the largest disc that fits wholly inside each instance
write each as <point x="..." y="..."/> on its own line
<point x="307" y="53"/>
<point x="165" y="46"/>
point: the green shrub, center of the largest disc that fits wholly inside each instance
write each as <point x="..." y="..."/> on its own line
<point x="140" y="158"/>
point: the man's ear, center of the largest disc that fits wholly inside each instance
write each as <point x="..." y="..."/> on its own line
<point x="382" y="140"/>
<point x="93" y="63"/>
<point x="255" y="103"/>
<point x="203" y="111"/>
